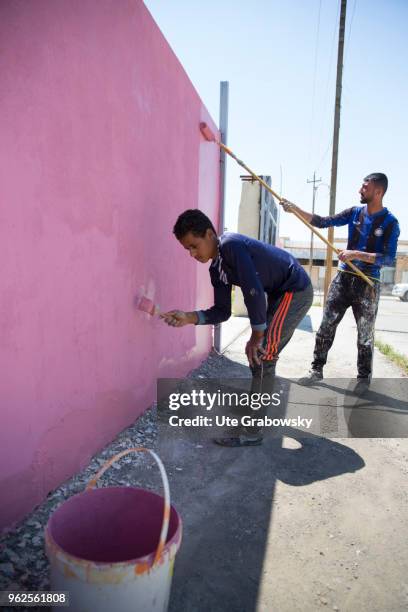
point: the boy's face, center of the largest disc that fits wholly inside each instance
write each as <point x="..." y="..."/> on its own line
<point x="201" y="248"/>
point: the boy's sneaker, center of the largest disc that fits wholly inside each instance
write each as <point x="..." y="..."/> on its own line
<point x="312" y="377"/>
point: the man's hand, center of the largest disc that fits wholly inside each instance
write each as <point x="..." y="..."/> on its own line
<point x="287" y="206"/>
<point x="178" y="318"/>
<point x="254" y="348"/>
<point x="347" y="255"/>
<point x="361" y="255"/>
<point x="293" y="208"/>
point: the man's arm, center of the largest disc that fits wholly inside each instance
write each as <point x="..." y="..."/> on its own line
<point x="348" y="255"/>
<point x="385" y="258"/>
<point x="341" y="218"/>
<point x="291" y="208"/>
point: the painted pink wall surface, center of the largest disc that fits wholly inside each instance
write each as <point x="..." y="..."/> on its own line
<point x="100" y="151"/>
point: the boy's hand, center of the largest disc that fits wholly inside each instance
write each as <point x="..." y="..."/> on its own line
<point x="177" y="318"/>
<point x="254" y="347"/>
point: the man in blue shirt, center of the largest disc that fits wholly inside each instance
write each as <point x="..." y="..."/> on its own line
<point x="372" y="242"/>
<point x="257" y="268"/>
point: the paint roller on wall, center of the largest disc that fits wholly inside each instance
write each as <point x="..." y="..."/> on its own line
<point x="209" y="135"/>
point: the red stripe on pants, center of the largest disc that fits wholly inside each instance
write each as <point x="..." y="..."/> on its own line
<point x="277" y="325"/>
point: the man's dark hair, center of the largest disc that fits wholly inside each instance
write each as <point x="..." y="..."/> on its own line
<point x="193" y="221"/>
<point x="379" y="179"/>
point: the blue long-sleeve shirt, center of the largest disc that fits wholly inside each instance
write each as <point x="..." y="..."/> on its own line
<point x="257" y="268"/>
<point x="377" y="233"/>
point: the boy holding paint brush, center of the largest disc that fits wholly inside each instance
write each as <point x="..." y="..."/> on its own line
<point x="257" y="268"/>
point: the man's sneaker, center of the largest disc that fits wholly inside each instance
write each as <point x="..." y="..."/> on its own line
<point x="238" y="441"/>
<point x="312" y="377"/>
<point x="362" y="386"/>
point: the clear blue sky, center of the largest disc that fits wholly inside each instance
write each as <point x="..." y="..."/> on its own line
<point x="280" y="57"/>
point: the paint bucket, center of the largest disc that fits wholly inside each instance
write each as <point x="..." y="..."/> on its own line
<point x="113" y="548"/>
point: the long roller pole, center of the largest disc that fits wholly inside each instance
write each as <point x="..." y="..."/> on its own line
<point x="208" y="135"/>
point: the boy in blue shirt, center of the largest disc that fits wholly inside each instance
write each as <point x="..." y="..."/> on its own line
<point x="257" y="268"/>
<point x="372" y="242"/>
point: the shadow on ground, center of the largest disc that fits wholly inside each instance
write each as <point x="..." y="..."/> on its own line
<point x="225" y="497"/>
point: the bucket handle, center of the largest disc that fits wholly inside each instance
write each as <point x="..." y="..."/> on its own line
<point x="166" y="514"/>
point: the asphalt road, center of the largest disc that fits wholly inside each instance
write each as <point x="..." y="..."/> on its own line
<point x="392" y="323"/>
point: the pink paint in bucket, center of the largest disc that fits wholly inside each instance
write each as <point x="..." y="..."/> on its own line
<point x="114" y="548"/>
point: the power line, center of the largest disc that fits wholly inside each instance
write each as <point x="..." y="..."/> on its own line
<point x="314" y="81"/>
<point x="346" y="48"/>
<point x="325" y="153"/>
<point x="348" y="39"/>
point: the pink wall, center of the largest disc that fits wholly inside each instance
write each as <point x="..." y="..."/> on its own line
<point x="100" y="151"/>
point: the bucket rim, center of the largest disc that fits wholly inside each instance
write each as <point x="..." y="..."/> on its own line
<point x="148" y="559"/>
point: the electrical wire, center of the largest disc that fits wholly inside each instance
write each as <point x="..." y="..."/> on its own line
<point x="347" y="47"/>
<point x="327" y="83"/>
<point x="314" y="82"/>
<point x="348" y="39"/>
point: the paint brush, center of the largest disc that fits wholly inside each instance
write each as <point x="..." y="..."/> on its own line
<point x="147" y="305"/>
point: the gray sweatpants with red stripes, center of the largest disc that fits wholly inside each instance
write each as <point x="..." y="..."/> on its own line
<point x="283" y="316"/>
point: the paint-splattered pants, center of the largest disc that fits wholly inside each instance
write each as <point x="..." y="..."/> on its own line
<point x="283" y="316"/>
<point x="349" y="290"/>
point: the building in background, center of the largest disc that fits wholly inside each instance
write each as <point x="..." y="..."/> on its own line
<point x="258" y="217"/>
<point x="301" y="250"/>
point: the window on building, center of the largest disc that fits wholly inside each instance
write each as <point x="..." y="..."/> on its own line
<point x="387" y="275"/>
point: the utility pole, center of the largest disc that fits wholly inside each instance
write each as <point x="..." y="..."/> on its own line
<point x="314" y="181"/>
<point x="224" y="91"/>
<point x="224" y="95"/>
<point x="336" y="130"/>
